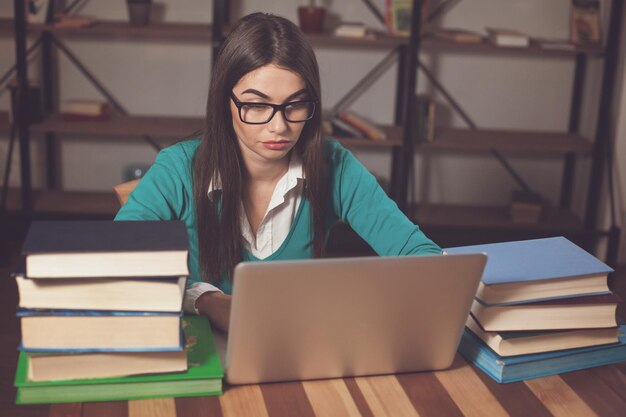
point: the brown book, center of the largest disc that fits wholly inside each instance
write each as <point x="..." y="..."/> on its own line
<point x="369" y="129"/>
<point x="457" y="35"/>
<point x="567" y="313"/>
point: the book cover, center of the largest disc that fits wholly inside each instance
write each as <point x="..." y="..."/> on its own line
<point x="203" y="377"/>
<point x="522" y="367"/>
<point x="84" y="249"/>
<point x="99" y="331"/>
<point x="535" y="259"/>
<point x="105" y="236"/>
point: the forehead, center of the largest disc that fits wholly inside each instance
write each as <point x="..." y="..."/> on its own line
<point x="271" y="80"/>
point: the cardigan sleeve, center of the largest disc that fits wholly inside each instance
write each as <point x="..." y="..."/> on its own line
<point x="360" y="202"/>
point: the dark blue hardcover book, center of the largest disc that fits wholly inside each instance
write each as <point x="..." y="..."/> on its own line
<point x="99" y="331"/>
<point x="522" y="367"/>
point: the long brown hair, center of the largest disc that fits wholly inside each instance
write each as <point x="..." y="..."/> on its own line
<point x="257" y="39"/>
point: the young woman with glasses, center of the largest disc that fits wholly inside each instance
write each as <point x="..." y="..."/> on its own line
<point x="262" y="184"/>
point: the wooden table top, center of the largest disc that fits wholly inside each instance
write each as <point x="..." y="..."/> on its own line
<point x="461" y="390"/>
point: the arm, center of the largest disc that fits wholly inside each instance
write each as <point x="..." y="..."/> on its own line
<point x="359" y="201"/>
<point x="164" y="193"/>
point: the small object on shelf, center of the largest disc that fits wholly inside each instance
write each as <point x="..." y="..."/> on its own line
<point x="585" y="22"/>
<point x="554" y="44"/>
<point x="369" y="129"/>
<point x="139" y="11"/>
<point x="37" y="11"/>
<point x="507" y="38"/>
<point x="344" y="129"/>
<point x="457" y="35"/>
<point x="311" y="17"/>
<point x="85" y="110"/>
<point x="351" y="30"/>
<point x="525" y="207"/>
<point x="398" y="16"/>
<point x="425" y="107"/>
<point x="63" y="21"/>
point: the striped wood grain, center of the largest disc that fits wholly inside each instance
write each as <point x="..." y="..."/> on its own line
<point x="330" y="398"/>
<point x="286" y="399"/>
<point x="385" y="396"/>
<point x="596" y="393"/>
<point x="468" y="391"/>
<point x="246" y="400"/>
<point x="157" y="407"/>
<point x="66" y="410"/>
<point x="198" y="407"/>
<point x="106" y="409"/>
<point x="559" y="397"/>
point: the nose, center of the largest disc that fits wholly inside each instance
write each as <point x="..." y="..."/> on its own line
<point x="278" y="122"/>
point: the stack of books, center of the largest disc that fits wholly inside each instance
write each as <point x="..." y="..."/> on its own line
<point x="101" y="315"/>
<point x="543" y="307"/>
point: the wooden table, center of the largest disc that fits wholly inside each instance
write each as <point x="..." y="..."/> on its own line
<point x="461" y="390"/>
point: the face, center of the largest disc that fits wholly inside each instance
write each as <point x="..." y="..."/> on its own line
<point x="271" y="141"/>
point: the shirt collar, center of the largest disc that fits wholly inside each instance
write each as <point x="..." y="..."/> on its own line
<point x="294" y="173"/>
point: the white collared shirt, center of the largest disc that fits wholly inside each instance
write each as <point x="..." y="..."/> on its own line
<point x="273" y="229"/>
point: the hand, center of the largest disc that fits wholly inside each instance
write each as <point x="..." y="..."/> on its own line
<point x="216" y="306"/>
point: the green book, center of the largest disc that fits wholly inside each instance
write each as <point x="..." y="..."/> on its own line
<point x="203" y="377"/>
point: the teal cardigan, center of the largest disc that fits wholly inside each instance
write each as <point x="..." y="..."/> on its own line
<point x="354" y="196"/>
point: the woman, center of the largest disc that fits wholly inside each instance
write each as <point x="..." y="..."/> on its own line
<point x="262" y="184"/>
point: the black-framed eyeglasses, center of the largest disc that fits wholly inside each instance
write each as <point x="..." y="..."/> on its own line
<point x="254" y="113"/>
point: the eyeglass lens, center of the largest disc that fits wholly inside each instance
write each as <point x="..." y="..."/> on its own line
<point x="262" y="113"/>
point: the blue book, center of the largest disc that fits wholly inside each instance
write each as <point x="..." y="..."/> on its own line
<point x="518" y="368"/>
<point x="537" y="269"/>
<point x="99" y="331"/>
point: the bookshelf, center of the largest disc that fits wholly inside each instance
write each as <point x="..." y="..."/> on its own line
<point x="568" y="144"/>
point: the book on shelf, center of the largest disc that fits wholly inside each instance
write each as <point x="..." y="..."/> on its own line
<point x="398" y="16"/>
<point x="352" y="30"/>
<point x="85" y="110"/>
<point x="425" y="107"/>
<point x="203" y="376"/>
<point x="89" y="331"/>
<point x="596" y="311"/>
<point x="456" y="35"/>
<point x="73" y="21"/>
<point x="510" y="343"/>
<point x="157" y="294"/>
<point x="507" y="38"/>
<point x="518" y="368"/>
<point x="369" y="129"/>
<point x="342" y="128"/>
<point x="585" y="22"/>
<point x="62" y="366"/>
<point x="106" y="249"/>
<point x="555" y="44"/>
<point x="537" y="269"/>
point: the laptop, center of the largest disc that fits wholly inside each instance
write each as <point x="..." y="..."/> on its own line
<point x="331" y="318"/>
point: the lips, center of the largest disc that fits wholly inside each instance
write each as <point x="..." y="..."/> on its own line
<point x="276" y="145"/>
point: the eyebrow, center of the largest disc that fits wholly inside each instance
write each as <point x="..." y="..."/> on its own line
<point x="266" y="97"/>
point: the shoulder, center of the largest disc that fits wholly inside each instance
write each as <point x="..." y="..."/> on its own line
<point x="334" y="151"/>
<point x="183" y="151"/>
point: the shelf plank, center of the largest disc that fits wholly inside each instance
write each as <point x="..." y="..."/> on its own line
<point x="203" y="32"/>
<point x="123" y="29"/>
<point x="67" y="203"/>
<point x="485" y="47"/>
<point x="454" y="139"/>
<point x="161" y="127"/>
<point x="494" y="218"/>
